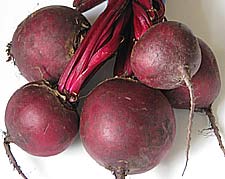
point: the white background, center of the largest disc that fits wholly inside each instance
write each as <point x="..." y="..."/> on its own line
<point x="206" y="18"/>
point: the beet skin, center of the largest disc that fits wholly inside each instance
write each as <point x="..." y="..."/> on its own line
<point x="44" y="42"/>
<point x="126" y="126"/>
<point x="38" y="121"/>
<point x="165" y="54"/>
<point x="206" y="83"/>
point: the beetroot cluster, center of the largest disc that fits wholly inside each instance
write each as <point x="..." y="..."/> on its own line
<point x="127" y="122"/>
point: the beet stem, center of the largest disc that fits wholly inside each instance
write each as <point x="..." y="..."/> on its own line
<point x="93" y="46"/>
<point x="100" y="56"/>
<point x="88" y="45"/>
<point x="142" y="22"/>
<point x="187" y="80"/>
<point x="212" y="120"/>
<point x="12" y="158"/>
<point x="90" y="50"/>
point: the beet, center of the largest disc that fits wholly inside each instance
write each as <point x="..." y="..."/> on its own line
<point x="38" y="121"/>
<point x="163" y="53"/>
<point x="44" y="42"/>
<point x="126" y="126"/>
<point x="206" y="83"/>
<point x="165" y="57"/>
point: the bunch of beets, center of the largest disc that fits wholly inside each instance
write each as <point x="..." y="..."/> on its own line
<point x="127" y="122"/>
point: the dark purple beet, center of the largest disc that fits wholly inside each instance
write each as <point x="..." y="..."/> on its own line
<point x="165" y="57"/>
<point x="126" y="126"/>
<point x="44" y="42"/>
<point x="38" y="121"/>
<point x="206" y="83"/>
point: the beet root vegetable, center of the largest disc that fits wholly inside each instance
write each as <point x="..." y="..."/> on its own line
<point x="44" y="42"/>
<point x="206" y="83"/>
<point x="166" y="56"/>
<point x="126" y="126"/>
<point x="38" y="121"/>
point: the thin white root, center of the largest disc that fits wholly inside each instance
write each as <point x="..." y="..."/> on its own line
<point x="187" y="80"/>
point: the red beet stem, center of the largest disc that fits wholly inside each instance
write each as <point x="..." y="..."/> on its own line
<point x="108" y="30"/>
<point x="97" y="37"/>
<point x="100" y="56"/>
<point x="146" y="4"/>
<point x="159" y="10"/>
<point x="100" y="35"/>
<point x="122" y="64"/>
<point x="141" y="19"/>
<point x="85" y="5"/>
<point x="146" y="13"/>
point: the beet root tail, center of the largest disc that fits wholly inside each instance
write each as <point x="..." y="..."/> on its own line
<point x="187" y="80"/>
<point x="215" y="128"/>
<point x="12" y="158"/>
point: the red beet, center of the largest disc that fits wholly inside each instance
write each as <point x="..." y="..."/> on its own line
<point x="167" y="55"/>
<point x="126" y="126"/>
<point x="44" y="42"/>
<point x="206" y="83"/>
<point x="38" y="121"/>
<point x="163" y="53"/>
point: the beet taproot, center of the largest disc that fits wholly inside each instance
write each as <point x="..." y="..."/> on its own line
<point x="165" y="57"/>
<point x="39" y="121"/>
<point x="206" y="83"/>
<point x="44" y="42"/>
<point x="126" y="126"/>
<point x="163" y="53"/>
